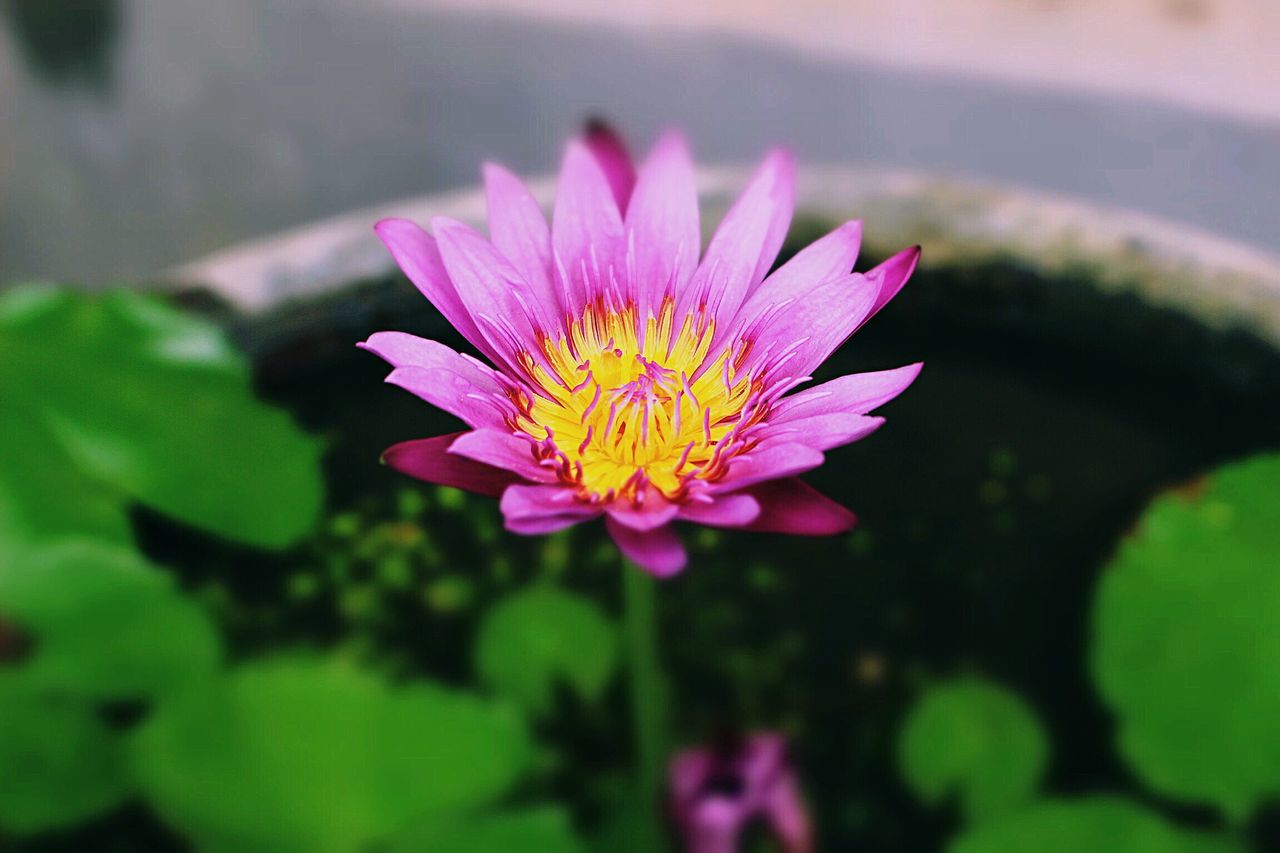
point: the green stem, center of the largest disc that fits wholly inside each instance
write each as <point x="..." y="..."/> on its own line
<point x="648" y="690"/>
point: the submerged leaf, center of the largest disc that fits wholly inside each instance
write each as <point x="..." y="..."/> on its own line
<point x="290" y="755"/>
<point x="103" y="623"/>
<point x="974" y="740"/>
<point x="1086" y="826"/>
<point x="536" y="637"/>
<point x="158" y="405"/>
<point x="59" y="764"/>
<point x="1187" y="641"/>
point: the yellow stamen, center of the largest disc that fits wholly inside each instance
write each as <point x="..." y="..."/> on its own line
<point x="623" y="410"/>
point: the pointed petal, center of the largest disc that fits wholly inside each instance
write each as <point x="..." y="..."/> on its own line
<point x="856" y="393"/>
<point x="502" y="450"/>
<point x="586" y="229"/>
<point x="724" y="511"/>
<point x="429" y="459"/>
<point x="519" y="230"/>
<point x="793" y="506"/>
<point x="535" y="510"/>
<point x="768" y="463"/>
<point x="403" y="350"/>
<point x="662" y="223"/>
<point x="891" y="275"/>
<point x="813" y="324"/>
<point x="453" y="393"/>
<point x="505" y="309"/>
<point x="822" y="260"/>
<point x="417" y="254"/>
<point x="747" y="241"/>
<point x="656" y="512"/>
<point x="658" y="552"/>
<point x="822" y="432"/>
<point x="615" y="161"/>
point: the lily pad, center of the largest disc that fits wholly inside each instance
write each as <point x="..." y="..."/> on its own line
<point x="546" y="830"/>
<point x="1187" y="641"/>
<point x="540" y="636"/>
<point x="1087" y="825"/>
<point x="158" y="405"/>
<point x="103" y="623"/>
<point x="293" y="755"/>
<point x="59" y="764"/>
<point x="975" y="741"/>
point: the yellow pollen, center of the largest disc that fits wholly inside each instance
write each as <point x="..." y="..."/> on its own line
<point x="621" y="411"/>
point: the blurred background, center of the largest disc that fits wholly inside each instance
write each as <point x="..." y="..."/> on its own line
<point x="223" y="626"/>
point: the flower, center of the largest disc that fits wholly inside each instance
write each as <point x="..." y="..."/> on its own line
<point x="716" y="793"/>
<point x="631" y="378"/>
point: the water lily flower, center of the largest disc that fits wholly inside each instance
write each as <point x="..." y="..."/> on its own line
<point x="717" y="793"/>
<point x="631" y="376"/>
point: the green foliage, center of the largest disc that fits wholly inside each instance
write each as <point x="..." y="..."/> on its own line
<point x="104" y="624"/>
<point x="545" y="830"/>
<point x="58" y="762"/>
<point x="291" y="755"/>
<point x="155" y="405"/>
<point x="974" y="740"/>
<point x="538" y="636"/>
<point x="1087" y="825"/>
<point x="1187" y="640"/>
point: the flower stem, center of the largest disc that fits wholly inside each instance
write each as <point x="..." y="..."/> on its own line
<point x="648" y="690"/>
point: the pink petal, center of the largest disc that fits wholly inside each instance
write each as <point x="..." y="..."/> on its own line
<point x="891" y="275"/>
<point x="453" y="393"/>
<point x="502" y="450"/>
<point x="768" y="463"/>
<point x="662" y="223"/>
<point x="747" y="241"/>
<point x="793" y="506"/>
<point x="403" y="350"/>
<point x="586" y="229"/>
<point x="505" y="308"/>
<point x="856" y="393"/>
<point x="535" y="510"/>
<point x="656" y="512"/>
<point x="519" y="230"/>
<point x="815" y="322"/>
<point x="417" y="254"/>
<point x="724" y="511"/>
<point x="822" y="432"/>
<point x="429" y="459"/>
<point x="658" y="552"/>
<point x="615" y="161"/>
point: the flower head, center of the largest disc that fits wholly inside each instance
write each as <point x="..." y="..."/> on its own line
<point x="632" y="376"/>
<point x="717" y="793"/>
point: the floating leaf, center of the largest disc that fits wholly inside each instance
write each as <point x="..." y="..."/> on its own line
<point x="58" y="763"/>
<point x="43" y="495"/>
<point x="545" y="830"/>
<point x="158" y="405"/>
<point x="1086" y="826"/>
<point x="977" y="741"/>
<point x="1187" y="641"/>
<point x="540" y="635"/>
<point x="104" y="624"/>
<point x="291" y="755"/>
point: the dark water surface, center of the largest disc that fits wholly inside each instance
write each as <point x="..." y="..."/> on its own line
<point x="1045" y="417"/>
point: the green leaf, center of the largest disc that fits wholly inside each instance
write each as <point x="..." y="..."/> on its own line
<point x="977" y="741"/>
<point x="104" y="623"/>
<point x="1187" y="640"/>
<point x="43" y="495"/>
<point x="290" y="755"/>
<point x="158" y="405"/>
<point x="58" y="763"/>
<point x="546" y="830"/>
<point x="1086" y="826"/>
<point x="540" y="635"/>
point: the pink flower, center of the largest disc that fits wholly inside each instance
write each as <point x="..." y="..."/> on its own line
<point x="632" y="376"/>
<point x="715" y="794"/>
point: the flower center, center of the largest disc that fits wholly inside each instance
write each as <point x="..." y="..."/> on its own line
<point x="624" y="406"/>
